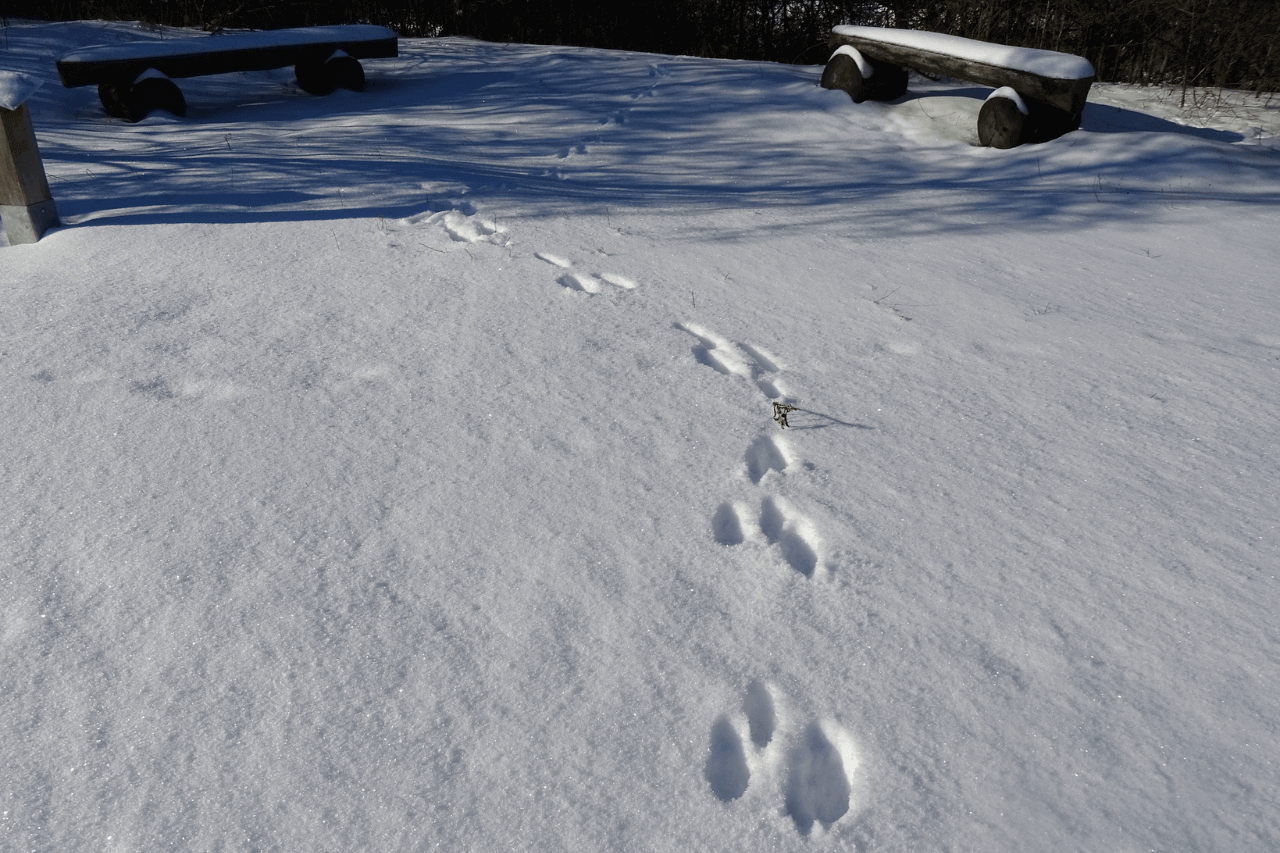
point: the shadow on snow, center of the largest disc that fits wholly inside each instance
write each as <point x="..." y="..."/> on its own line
<point x="554" y="132"/>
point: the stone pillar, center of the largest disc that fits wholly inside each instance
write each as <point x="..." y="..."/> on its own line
<point x="26" y="207"/>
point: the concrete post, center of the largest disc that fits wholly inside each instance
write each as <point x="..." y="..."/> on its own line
<point x="26" y="207"/>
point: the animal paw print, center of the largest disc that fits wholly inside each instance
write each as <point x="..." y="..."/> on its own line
<point x="818" y="783"/>
<point x="765" y="454"/>
<point x="460" y="225"/>
<point x="736" y="359"/>
<point x="727" y="769"/>
<point x="819" y="761"/>
<point x="789" y="533"/>
<point x="583" y="282"/>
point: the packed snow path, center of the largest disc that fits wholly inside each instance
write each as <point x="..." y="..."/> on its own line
<point x="397" y="471"/>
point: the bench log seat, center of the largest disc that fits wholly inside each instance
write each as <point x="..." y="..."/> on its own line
<point x="1040" y="94"/>
<point x="133" y="79"/>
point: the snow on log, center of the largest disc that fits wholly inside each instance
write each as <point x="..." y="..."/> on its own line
<point x="1049" y="88"/>
<point x="1058" y="79"/>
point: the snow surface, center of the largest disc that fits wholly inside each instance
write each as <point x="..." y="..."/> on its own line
<point x="16" y="88"/>
<point x="1047" y="63"/>
<point x="397" y="471"/>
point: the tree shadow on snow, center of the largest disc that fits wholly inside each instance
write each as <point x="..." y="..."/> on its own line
<point x="1100" y="118"/>
<point x="555" y="132"/>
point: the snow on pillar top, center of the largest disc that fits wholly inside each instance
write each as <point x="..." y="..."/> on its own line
<point x="16" y="88"/>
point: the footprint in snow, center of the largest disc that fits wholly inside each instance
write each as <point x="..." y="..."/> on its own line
<point x="580" y="282"/>
<point x="726" y="768"/>
<point x="584" y="282"/>
<point x="460" y="226"/>
<point x="554" y="260"/>
<point x="789" y="532"/>
<point x="819" y="762"/>
<point x="817" y="787"/>
<point x="726" y="524"/>
<point x="765" y="454"/>
<point x="792" y="534"/>
<point x="730" y="359"/>
<point x="618" y="280"/>
<point x="469" y="229"/>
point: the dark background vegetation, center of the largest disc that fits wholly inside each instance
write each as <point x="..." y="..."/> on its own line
<point x="1231" y="43"/>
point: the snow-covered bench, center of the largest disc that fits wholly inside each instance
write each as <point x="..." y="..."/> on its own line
<point x="1039" y="93"/>
<point x="133" y="79"/>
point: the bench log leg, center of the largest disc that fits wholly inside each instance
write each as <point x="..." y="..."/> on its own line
<point x="886" y="82"/>
<point x="1007" y="122"/>
<point x="133" y="100"/>
<point x="1001" y="124"/>
<point x="338" y="71"/>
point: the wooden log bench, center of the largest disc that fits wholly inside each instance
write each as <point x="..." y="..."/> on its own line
<point x="134" y="79"/>
<point x="1039" y="94"/>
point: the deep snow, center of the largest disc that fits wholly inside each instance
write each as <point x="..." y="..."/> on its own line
<point x="396" y="470"/>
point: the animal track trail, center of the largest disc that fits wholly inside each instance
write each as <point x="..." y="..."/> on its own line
<point x="740" y="359"/>
<point x="657" y="72"/>
<point x="584" y="282"/>
<point x="461" y="227"/>
<point x="469" y="229"/>
<point x="716" y="352"/>
<point x="791" y="534"/>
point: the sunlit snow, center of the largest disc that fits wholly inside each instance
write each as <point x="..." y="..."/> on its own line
<point x="397" y="470"/>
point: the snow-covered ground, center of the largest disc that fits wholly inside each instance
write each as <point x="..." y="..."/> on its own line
<point x="396" y="470"/>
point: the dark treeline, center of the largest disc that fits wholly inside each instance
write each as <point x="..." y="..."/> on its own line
<point x="1232" y="43"/>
